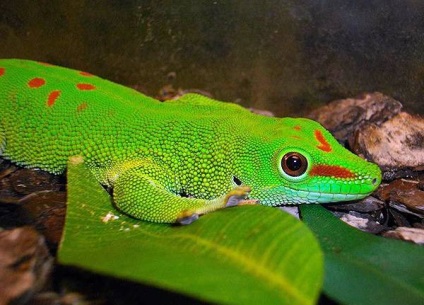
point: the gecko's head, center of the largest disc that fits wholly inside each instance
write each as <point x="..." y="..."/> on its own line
<point x="310" y="166"/>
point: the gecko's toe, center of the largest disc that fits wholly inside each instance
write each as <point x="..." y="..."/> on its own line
<point x="187" y="218"/>
<point x="237" y="195"/>
<point x="249" y="202"/>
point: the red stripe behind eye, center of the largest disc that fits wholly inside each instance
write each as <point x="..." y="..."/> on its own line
<point x="2" y="70"/>
<point x="324" y="145"/>
<point x="331" y="171"/>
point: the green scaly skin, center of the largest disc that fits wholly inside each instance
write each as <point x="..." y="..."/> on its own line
<point x="171" y="161"/>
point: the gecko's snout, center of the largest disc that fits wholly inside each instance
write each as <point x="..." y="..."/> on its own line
<point x="376" y="178"/>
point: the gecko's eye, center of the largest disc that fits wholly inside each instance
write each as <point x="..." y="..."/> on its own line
<point x="294" y="164"/>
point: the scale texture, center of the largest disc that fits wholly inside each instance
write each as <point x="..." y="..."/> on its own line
<point x="171" y="161"/>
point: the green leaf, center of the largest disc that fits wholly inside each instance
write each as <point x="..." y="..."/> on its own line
<point x="361" y="268"/>
<point x="241" y="255"/>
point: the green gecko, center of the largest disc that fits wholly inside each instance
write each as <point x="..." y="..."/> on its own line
<point x="170" y="161"/>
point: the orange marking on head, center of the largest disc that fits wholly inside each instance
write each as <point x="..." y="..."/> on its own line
<point x="53" y="96"/>
<point x="36" y="82"/>
<point x="82" y="86"/>
<point x="324" y="145"/>
<point x="85" y="73"/>
<point x="297" y="127"/>
<point x="82" y="107"/>
<point x="331" y="171"/>
<point x="295" y="137"/>
<point x="2" y="71"/>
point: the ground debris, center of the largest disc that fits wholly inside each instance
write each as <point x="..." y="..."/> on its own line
<point x="25" y="263"/>
<point x="394" y="145"/>
<point x="344" y="117"/>
<point x="405" y="196"/>
<point x="367" y="205"/>
<point x="414" y="235"/>
<point x="361" y="221"/>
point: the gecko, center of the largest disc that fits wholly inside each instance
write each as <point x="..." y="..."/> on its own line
<point x="170" y="162"/>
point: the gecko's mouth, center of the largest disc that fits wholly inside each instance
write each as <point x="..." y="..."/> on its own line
<point x="321" y="197"/>
<point x="285" y="195"/>
<point x="329" y="197"/>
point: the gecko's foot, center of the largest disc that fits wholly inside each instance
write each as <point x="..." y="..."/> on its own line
<point x="236" y="196"/>
<point x="249" y="202"/>
<point x="187" y="218"/>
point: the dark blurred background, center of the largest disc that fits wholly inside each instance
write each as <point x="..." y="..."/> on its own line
<point x="285" y="56"/>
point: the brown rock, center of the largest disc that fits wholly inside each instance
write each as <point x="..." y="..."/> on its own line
<point x="26" y="181"/>
<point x="367" y="205"/>
<point x="17" y="182"/>
<point x="24" y="264"/>
<point x="48" y="210"/>
<point x="396" y="144"/>
<point x="405" y="196"/>
<point x="361" y="221"/>
<point x="69" y="298"/>
<point x="414" y="235"/>
<point x="343" y="117"/>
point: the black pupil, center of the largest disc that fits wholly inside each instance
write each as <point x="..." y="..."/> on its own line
<point x="294" y="163"/>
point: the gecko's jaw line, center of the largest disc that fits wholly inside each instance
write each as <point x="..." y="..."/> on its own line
<point x="293" y="196"/>
<point x="328" y="197"/>
<point x="316" y="197"/>
<point x="319" y="198"/>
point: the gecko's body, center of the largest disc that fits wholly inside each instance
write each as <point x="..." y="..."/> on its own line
<point x="170" y="161"/>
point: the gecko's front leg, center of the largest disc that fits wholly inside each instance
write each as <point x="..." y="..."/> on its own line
<point x="140" y="192"/>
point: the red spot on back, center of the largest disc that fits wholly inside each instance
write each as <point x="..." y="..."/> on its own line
<point x="36" y="82"/>
<point x="82" y="107"/>
<point x="2" y="70"/>
<point x="297" y="127"/>
<point x="331" y="171"/>
<point x="85" y="73"/>
<point x="53" y="96"/>
<point x="324" y="145"/>
<point x="82" y="86"/>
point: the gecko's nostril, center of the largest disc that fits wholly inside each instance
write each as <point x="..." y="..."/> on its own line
<point x="374" y="181"/>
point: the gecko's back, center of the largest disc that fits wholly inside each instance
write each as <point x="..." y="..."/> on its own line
<point x="50" y="113"/>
